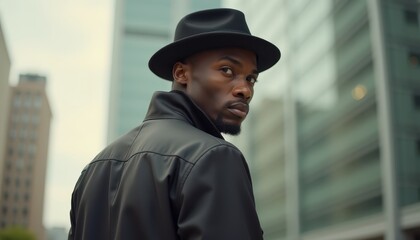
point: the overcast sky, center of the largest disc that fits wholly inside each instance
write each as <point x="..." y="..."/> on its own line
<point x="69" y="41"/>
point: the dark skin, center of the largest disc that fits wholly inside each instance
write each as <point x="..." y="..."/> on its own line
<point x="221" y="82"/>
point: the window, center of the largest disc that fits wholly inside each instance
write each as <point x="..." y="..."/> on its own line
<point x="35" y="119"/>
<point x="4" y="210"/>
<point x="15" y="211"/>
<point x="9" y="165"/>
<point x="28" y="183"/>
<point x="414" y="59"/>
<point x="411" y="17"/>
<point x="416" y="101"/>
<point x="28" y="101"/>
<point x="25" y="212"/>
<point x="13" y="133"/>
<point x="20" y="164"/>
<point x="29" y="169"/>
<point x="10" y="151"/>
<point x="418" y="147"/>
<point x="37" y="101"/>
<point x="7" y="181"/>
<point x="26" y="197"/>
<point x="17" y="197"/>
<point x="25" y="117"/>
<point x="16" y="99"/>
<point x="32" y="134"/>
<point x="17" y="182"/>
<point x="32" y="149"/>
<point x="5" y="196"/>
<point x="21" y="150"/>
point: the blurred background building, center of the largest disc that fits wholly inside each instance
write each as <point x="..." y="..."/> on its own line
<point x="4" y="94"/>
<point x="333" y="138"/>
<point x="141" y="27"/>
<point x="24" y="160"/>
<point x="57" y="233"/>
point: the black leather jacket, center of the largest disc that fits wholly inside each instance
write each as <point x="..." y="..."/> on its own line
<point x="173" y="177"/>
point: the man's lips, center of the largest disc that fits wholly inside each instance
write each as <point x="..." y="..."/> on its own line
<point x="239" y="109"/>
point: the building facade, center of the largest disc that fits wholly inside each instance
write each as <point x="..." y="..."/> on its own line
<point x="25" y="157"/>
<point x="141" y="27"/>
<point x="4" y="93"/>
<point x="333" y="136"/>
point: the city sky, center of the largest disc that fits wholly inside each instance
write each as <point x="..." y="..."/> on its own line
<point x="68" y="41"/>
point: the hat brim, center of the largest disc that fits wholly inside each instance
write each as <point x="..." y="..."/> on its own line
<point x="161" y="63"/>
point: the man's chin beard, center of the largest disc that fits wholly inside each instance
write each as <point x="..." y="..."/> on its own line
<point x="227" y="128"/>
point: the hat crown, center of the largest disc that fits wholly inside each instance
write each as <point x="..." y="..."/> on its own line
<point x="208" y="30"/>
<point x="213" y="20"/>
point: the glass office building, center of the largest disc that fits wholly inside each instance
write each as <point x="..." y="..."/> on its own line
<point x="333" y="138"/>
<point x="141" y="27"/>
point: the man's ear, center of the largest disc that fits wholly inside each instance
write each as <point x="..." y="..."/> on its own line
<point x="180" y="73"/>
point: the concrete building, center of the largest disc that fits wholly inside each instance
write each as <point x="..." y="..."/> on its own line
<point x="141" y="27"/>
<point x="333" y="138"/>
<point x="25" y="156"/>
<point x="4" y="93"/>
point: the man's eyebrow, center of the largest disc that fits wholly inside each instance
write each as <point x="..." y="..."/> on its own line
<point x="236" y="62"/>
<point x="231" y="59"/>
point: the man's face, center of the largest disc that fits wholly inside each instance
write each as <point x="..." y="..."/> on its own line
<point x="221" y="82"/>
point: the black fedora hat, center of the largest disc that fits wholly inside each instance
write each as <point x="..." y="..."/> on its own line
<point x="212" y="29"/>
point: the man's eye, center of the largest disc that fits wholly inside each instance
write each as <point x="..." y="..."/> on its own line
<point x="252" y="79"/>
<point x="227" y="70"/>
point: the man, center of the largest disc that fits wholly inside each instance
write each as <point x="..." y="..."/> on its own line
<point x="174" y="176"/>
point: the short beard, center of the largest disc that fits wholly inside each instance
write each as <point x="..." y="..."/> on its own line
<point x="227" y="128"/>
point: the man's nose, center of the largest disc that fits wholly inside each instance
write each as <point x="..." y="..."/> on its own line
<point x="243" y="89"/>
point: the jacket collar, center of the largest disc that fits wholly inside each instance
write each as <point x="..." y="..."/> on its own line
<point x="177" y="105"/>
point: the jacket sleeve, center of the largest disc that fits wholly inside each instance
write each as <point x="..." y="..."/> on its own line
<point x="72" y="222"/>
<point x="74" y="208"/>
<point x="216" y="200"/>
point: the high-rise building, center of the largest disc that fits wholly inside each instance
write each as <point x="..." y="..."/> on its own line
<point x="25" y="156"/>
<point x="333" y="138"/>
<point x="141" y="27"/>
<point x="4" y="94"/>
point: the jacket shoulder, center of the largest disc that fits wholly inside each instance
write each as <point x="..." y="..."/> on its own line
<point x="176" y="137"/>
